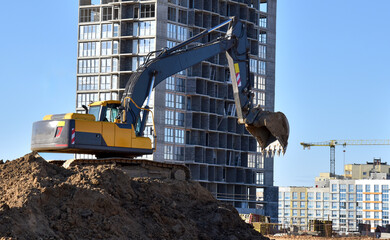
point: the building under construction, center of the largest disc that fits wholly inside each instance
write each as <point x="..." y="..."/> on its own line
<point x="194" y="110"/>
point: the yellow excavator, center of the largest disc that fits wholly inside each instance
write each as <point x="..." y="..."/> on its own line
<point x="115" y="129"/>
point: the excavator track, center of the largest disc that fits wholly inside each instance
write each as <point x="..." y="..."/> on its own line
<point x="136" y="167"/>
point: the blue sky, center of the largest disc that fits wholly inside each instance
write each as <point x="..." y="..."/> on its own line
<point x="332" y="77"/>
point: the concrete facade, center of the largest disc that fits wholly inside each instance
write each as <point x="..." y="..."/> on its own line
<point x="194" y="110"/>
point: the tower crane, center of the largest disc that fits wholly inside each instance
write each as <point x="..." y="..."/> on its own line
<point x="332" y="144"/>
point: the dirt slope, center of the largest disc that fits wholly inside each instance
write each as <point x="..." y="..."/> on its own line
<point x="42" y="201"/>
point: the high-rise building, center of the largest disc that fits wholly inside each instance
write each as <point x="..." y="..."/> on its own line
<point x="194" y="109"/>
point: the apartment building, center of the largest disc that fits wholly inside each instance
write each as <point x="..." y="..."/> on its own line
<point x="345" y="202"/>
<point x="194" y="109"/>
<point x="364" y="171"/>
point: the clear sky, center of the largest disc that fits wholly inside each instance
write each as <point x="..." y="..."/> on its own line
<point x="332" y="77"/>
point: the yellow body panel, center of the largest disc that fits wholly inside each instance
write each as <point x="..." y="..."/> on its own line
<point x="123" y="137"/>
<point x="142" y="142"/>
<point x="78" y="116"/>
<point x="47" y="117"/>
<point x="88" y="126"/>
<point x="108" y="133"/>
<point x="113" y="135"/>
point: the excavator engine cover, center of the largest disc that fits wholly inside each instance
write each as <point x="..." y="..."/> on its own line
<point x="271" y="129"/>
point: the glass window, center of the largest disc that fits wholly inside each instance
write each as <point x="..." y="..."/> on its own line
<point x="263" y="6"/>
<point x="107" y="13"/>
<point x="318" y="196"/>
<point x="263" y="21"/>
<point x="368" y="206"/>
<point x="259" y="178"/>
<point x="302" y="204"/>
<point x="87" y="83"/>
<point x="86" y="98"/>
<point x="169" y="117"/>
<point x="367" y="188"/>
<point x="115" y="47"/>
<point x="367" y="197"/>
<point x="343" y="187"/>
<point x="302" y="195"/>
<point x="180" y="101"/>
<point x="376" y="197"/>
<point x="351" y="197"/>
<point x="376" y="188"/>
<point x="168" y="152"/>
<point x="168" y="135"/>
<point x="326" y="205"/>
<point x="359" y="188"/>
<point x="335" y="196"/>
<point x="385" y="206"/>
<point x="88" y="49"/>
<point x="318" y="204"/>
<point x="179" y="136"/>
<point x="294" y="203"/>
<point x="106" y="30"/>
<point x="326" y="196"/>
<point x="116" y="30"/>
<point x="376" y="206"/>
<point x="343" y="196"/>
<point x="105" y="65"/>
<point x="287" y="195"/>
<point x="359" y="197"/>
<point x="169" y="100"/>
<point x="147" y="10"/>
<point x="334" y="187"/>
<point x="351" y="205"/>
<point x="385" y="188"/>
<point x="105" y="82"/>
<point x="334" y="205"/>
<point x="318" y="213"/>
<point x="310" y="195"/>
<point x="106" y="48"/>
<point x="385" y="197"/>
<point x="303" y="213"/>
<point x="179" y="120"/>
<point x="89" y="15"/>
<point x="170" y="83"/>
<point x="294" y="195"/>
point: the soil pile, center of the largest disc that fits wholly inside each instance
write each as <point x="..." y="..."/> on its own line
<point x="40" y="200"/>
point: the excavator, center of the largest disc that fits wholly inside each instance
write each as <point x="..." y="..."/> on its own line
<point x="114" y="130"/>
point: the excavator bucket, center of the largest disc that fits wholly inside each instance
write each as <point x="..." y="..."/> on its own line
<point x="271" y="129"/>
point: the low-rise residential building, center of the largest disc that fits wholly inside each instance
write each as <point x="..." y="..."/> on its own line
<point x="345" y="202"/>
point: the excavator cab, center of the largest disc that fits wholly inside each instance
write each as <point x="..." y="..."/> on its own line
<point x="105" y="111"/>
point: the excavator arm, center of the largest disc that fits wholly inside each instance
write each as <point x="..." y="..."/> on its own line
<point x="267" y="127"/>
<point x="105" y="133"/>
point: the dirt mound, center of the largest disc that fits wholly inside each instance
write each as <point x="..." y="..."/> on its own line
<point x="43" y="201"/>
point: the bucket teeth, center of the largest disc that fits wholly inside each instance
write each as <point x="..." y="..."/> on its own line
<point x="271" y="130"/>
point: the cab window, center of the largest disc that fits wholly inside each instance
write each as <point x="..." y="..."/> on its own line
<point x="95" y="110"/>
<point x="111" y="114"/>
